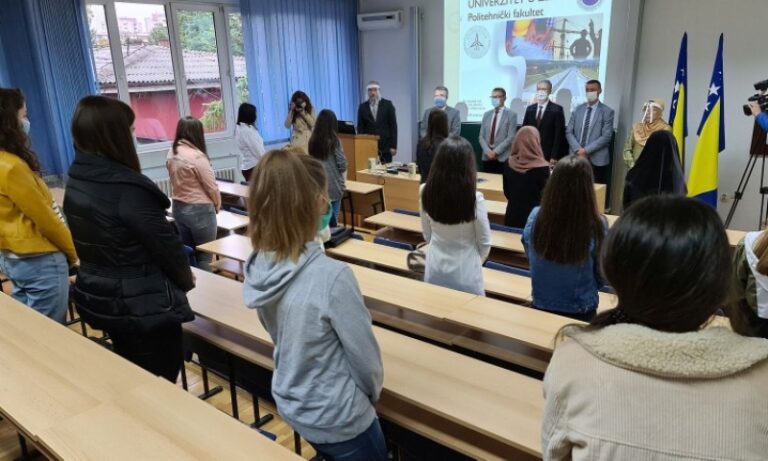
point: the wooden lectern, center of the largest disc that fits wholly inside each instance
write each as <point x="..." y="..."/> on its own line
<point x="358" y="148"/>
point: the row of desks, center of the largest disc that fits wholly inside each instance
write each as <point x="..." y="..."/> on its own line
<point x="74" y="399"/>
<point x="473" y="407"/>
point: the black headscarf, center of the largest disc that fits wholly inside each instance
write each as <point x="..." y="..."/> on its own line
<point x="657" y="170"/>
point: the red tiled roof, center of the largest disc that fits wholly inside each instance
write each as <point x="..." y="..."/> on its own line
<point x="150" y="65"/>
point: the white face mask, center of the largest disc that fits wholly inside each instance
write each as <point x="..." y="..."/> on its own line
<point x="592" y="96"/>
<point x="542" y="97"/>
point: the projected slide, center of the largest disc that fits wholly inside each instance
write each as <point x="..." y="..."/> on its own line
<point x="515" y="43"/>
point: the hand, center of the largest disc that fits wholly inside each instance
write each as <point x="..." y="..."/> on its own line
<point x="393" y="152"/>
<point x="291" y="106"/>
<point x="194" y="279"/>
<point x="491" y="154"/>
<point x="755" y="108"/>
<point x="552" y="162"/>
<point x="303" y="105"/>
<point x="581" y="152"/>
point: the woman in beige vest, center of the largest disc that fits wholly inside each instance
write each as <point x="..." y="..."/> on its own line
<point x="651" y="379"/>
<point x="301" y="119"/>
<point x="652" y="121"/>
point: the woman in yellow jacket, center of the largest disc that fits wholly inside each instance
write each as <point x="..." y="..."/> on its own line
<point x="36" y="248"/>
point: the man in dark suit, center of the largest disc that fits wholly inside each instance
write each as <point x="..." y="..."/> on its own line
<point x="549" y="119"/>
<point x="377" y="116"/>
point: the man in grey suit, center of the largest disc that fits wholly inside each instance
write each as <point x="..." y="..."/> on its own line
<point x="590" y="130"/>
<point x="441" y="103"/>
<point x="496" y="133"/>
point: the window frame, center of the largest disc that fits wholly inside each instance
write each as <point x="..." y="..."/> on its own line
<point x="220" y="11"/>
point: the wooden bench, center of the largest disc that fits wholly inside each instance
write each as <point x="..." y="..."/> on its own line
<point x="473" y="407"/>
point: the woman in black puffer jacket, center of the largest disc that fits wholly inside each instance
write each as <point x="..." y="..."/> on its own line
<point x="134" y="273"/>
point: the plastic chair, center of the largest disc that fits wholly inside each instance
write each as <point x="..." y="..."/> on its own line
<point x="404" y="211"/>
<point x="502" y="228"/>
<point x="190" y="252"/>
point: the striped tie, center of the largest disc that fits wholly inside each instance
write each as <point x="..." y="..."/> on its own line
<point x="586" y="127"/>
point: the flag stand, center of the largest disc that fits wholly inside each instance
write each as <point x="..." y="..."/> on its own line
<point x="758" y="149"/>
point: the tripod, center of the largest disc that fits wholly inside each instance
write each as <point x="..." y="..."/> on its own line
<point x="758" y="149"/>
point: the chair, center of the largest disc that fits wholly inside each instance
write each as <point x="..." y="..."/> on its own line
<point x="408" y="212"/>
<point x="502" y="228"/>
<point x="509" y="269"/>
<point x="393" y="243"/>
<point x="190" y="252"/>
<point x="357" y="236"/>
<point x="236" y="210"/>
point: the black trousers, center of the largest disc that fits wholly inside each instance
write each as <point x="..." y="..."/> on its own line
<point x="493" y="166"/>
<point x="601" y="173"/>
<point x="159" y="351"/>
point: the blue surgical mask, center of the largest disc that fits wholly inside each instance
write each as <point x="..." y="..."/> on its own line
<point x="495" y="102"/>
<point x="325" y="218"/>
<point x="26" y="126"/>
<point x="440" y="101"/>
<point x="542" y="97"/>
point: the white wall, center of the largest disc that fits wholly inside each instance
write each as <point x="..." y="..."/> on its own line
<point x="385" y="57"/>
<point x="743" y="23"/>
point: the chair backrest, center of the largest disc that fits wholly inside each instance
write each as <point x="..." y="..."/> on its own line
<point x="357" y="236"/>
<point x="393" y="243"/>
<point x="235" y="210"/>
<point x="502" y="228"/>
<point x="404" y="211"/>
<point x="190" y="252"/>
<point x="505" y="268"/>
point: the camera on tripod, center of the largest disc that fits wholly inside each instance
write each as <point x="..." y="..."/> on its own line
<point x="761" y="98"/>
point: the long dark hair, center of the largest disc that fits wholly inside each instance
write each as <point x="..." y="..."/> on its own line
<point x="246" y="114"/>
<point x="449" y="193"/>
<point x="325" y="136"/>
<point x="12" y="138"/>
<point x="102" y="126"/>
<point x="297" y="98"/>
<point x="191" y="130"/>
<point x="437" y="129"/>
<point x="568" y="221"/>
<point x="668" y="259"/>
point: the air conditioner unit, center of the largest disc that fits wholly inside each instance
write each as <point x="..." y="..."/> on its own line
<point x="379" y="21"/>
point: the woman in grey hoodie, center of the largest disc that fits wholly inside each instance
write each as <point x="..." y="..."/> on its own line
<point x="328" y="370"/>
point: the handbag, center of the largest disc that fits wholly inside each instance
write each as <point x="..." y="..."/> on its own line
<point x="417" y="259"/>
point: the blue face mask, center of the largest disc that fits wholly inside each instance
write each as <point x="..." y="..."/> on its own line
<point x="25" y="125"/>
<point x="440" y="101"/>
<point x="495" y="102"/>
<point x="325" y="219"/>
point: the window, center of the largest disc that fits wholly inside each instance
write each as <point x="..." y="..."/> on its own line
<point x="237" y="51"/>
<point x="166" y="60"/>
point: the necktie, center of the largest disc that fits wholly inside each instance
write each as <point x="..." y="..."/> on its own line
<point x="539" y="115"/>
<point x="585" y="132"/>
<point x="374" y="110"/>
<point x="493" y="129"/>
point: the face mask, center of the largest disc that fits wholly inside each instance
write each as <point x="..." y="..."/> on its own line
<point x="542" y="97"/>
<point x="25" y="125"/>
<point x="495" y="102"/>
<point x="440" y="101"/>
<point x="325" y="219"/>
<point x="591" y="96"/>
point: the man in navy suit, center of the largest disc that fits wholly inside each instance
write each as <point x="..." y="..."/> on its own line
<point x="549" y="119"/>
<point x="377" y="116"/>
<point x="590" y="130"/>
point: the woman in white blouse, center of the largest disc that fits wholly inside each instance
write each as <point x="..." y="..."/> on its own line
<point x="249" y="140"/>
<point x="454" y="219"/>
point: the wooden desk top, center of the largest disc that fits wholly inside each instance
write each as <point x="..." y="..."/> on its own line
<point x="233" y="188"/>
<point x="237" y="247"/>
<point x="496" y="207"/>
<point x="230" y="221"/>
<point x="526" y="325"/>
<point x="362" y="188"/>
<point x="502" y="240"/>
<point x="78" y="400"/>
<point x="499" y="403"/>
<point x="58" y="195"/>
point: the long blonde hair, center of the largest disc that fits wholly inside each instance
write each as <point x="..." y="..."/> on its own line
<point x="761" y="251"/>
<point x="282" y="205"/>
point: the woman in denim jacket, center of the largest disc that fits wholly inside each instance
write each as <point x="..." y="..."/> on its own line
<point x="562" y="240"/>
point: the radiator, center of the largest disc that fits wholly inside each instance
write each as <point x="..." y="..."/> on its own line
<point x="164" y="185"/>
<point x="229" y="174"/>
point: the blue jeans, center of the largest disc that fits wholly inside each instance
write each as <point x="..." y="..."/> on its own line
<point x="41" y="282"/>
<point x="197" y="225"/>
<point x="368" y="446"/>
<point x="335" y="205"/>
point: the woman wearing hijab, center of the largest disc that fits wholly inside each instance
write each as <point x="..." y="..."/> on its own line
<point x="652" y="122"/>
<point x="525" y="176"/>
<point x="657" y="170"/>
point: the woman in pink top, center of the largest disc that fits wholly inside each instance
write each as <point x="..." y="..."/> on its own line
<point x="196" y="198"/>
